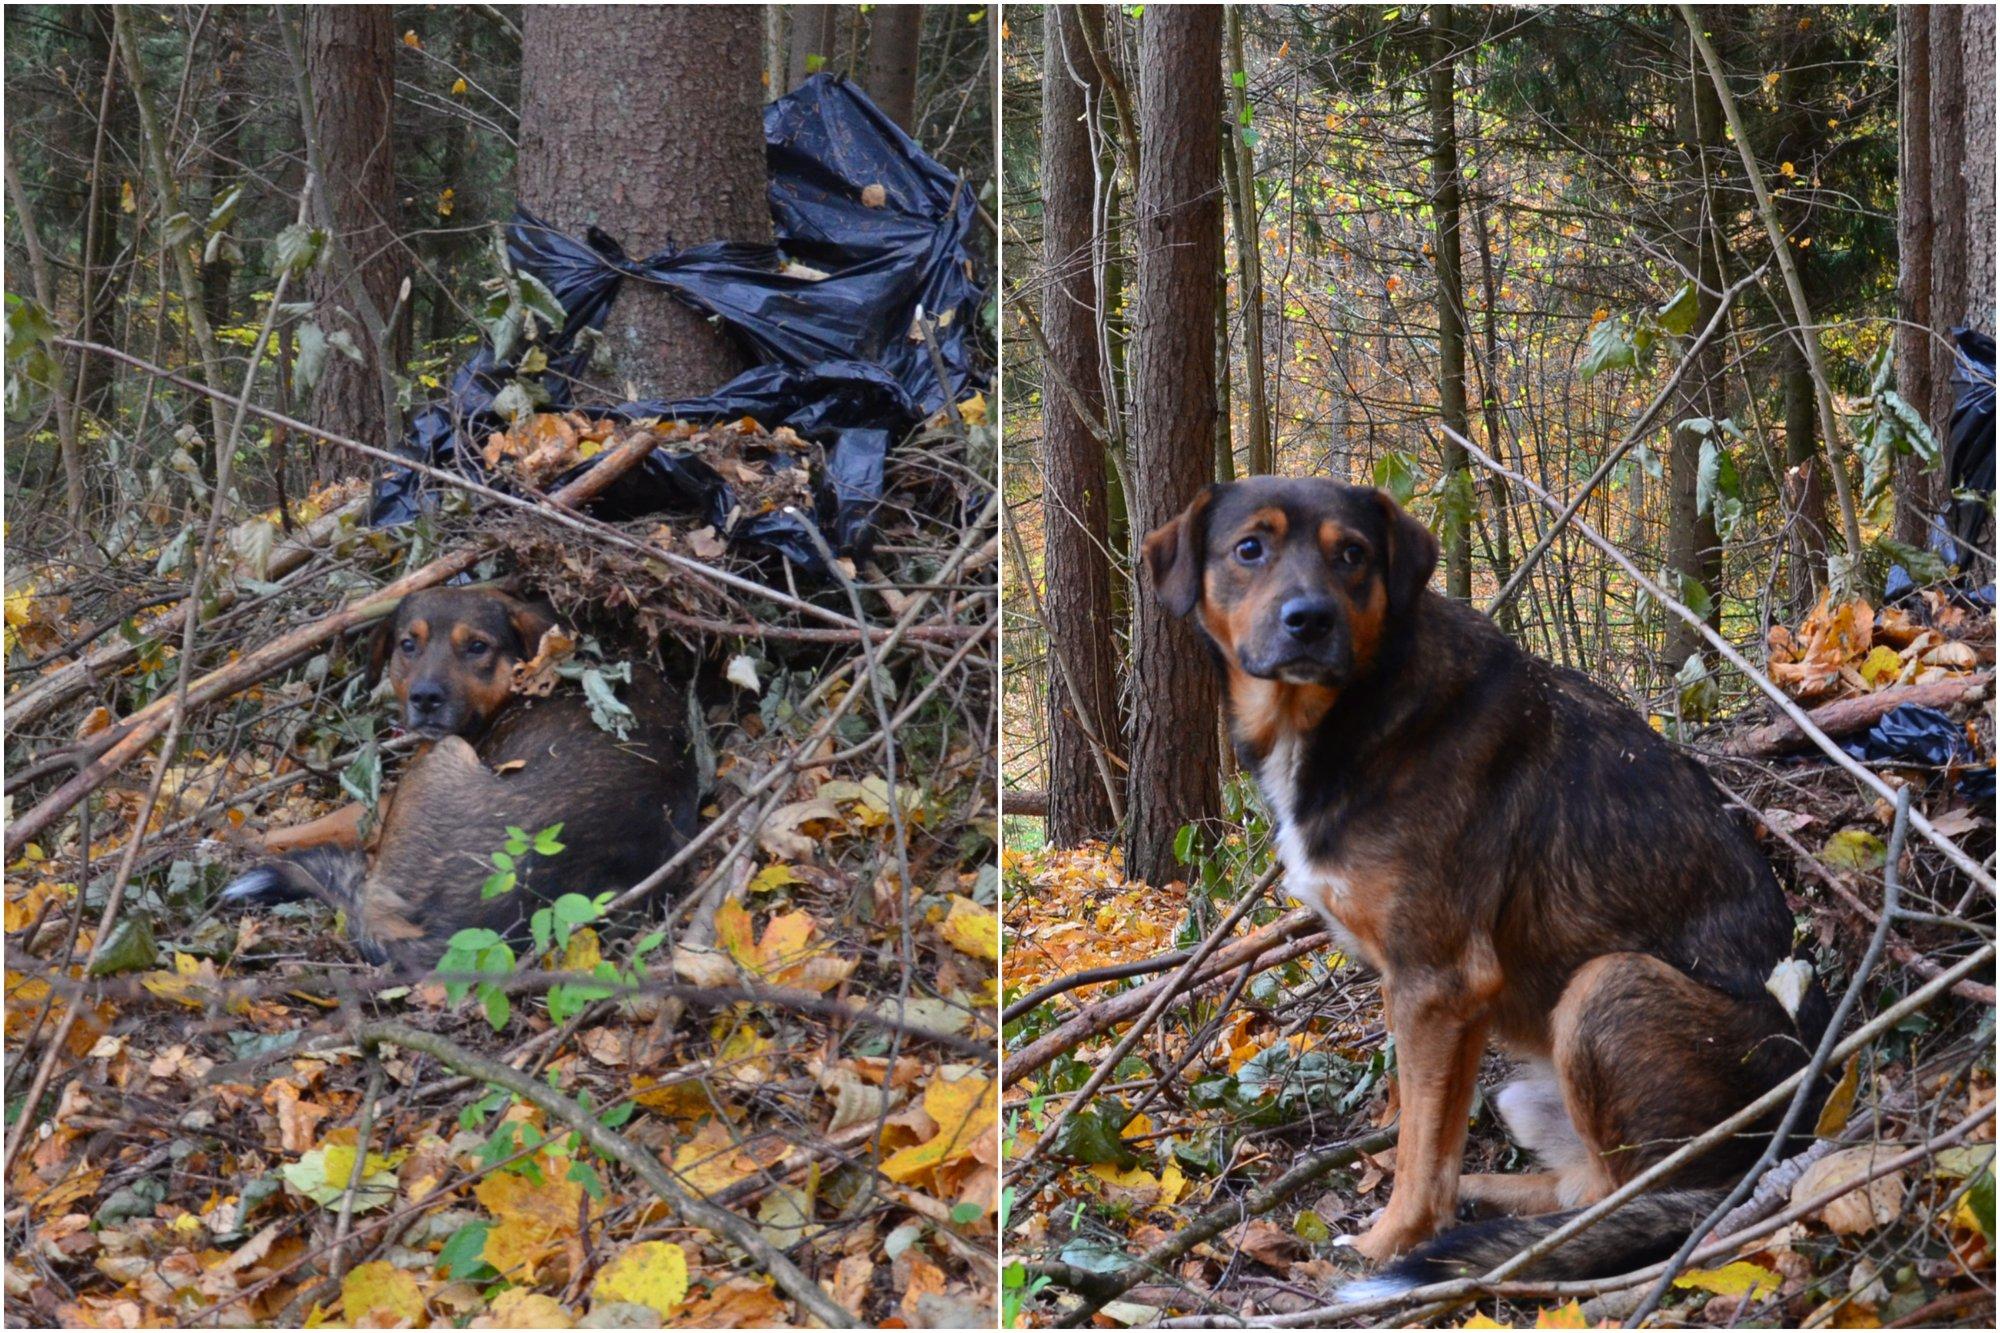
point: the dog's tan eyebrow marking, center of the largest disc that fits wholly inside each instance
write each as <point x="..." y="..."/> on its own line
<point x="420" y="630"/>
<point x="1331" y="534"/>
<point x="1269" y="519"/>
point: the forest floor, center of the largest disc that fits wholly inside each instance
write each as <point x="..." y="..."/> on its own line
<point x="810" y="1050"/>
<point x="1279" y="1059"/>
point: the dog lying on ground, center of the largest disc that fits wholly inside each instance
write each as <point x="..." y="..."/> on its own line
<point x="1517" y="854"/>
<point x="492" y="759"/>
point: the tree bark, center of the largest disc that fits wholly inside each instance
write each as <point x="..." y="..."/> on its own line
<point x="1977" y="166"/>
<point x="1693" y="549"/>
<point x="647" y="121"/>
<point x="1805" y="483"/>
<point x="1076" y="528"/>
<point x="823" y="41"/>
<point x="1241" y="162"/>
<point x="1914" y="219"/>
<point x="100" y="86"/>
<point x="1443" y="101"/>
<point x="1174" y="752"/>
<point x="889" y="75"/>
<point x="351" y="57"/>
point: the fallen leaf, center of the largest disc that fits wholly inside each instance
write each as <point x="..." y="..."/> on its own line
<point x="653" y="1273"/>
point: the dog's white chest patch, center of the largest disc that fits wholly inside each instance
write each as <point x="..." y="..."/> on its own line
<point x="1319" y="883"/>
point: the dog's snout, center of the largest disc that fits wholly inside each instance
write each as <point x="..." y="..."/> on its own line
<point x="425" y="698"/>
<point x="1308" y="619"/>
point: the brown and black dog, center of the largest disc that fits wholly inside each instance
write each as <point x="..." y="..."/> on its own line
<point x="493" y="759"/>
<point x="1518" y="855"/>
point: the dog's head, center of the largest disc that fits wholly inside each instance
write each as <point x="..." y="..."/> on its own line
<point x="1296" y="579"/>
<point x="450" y="655"/>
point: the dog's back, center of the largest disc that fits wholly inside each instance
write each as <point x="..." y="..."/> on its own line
<point x="625" y="806"/>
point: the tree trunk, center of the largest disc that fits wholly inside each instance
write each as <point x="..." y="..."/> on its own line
<point x="224" y="153"/>
<point x="1174" y="752"/>
<point x="1805" y="484"/>
<point x="823" y="41"/>
<point x="1693" y="550"/>
<point x="647" y="121"/>
<point x="889" y="75"/>
<point x="1076" y="567"/>
<point x="351" y="57"/>
<point x="1240" y="162"/>
<point x="1914" y="223"/>
<point x="100" y="239"/>
<point x="1977" y="165"/>
<point x="1450" y="300"/>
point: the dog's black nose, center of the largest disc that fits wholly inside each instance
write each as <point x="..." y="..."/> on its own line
<point x="425" y="699"/>
<point x="1308" y="619"/>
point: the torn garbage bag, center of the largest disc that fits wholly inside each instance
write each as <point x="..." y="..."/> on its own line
<point x="850" y="337"/>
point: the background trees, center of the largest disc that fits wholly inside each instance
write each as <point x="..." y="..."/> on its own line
<point x="1543" y="209"/>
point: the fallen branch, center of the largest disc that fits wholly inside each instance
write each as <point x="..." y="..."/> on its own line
<point x="129" y="738"/>
<point x="1105" y="1014"/>
<point x="1844" y="717"/>
<point x="44" y="694"/>
<point x="691" y="1208"/>
<point x="1099" y="1289"/>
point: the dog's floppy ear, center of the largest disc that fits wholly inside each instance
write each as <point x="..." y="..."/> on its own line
<point x="1412" y="555"/>
<point x="530" y="620"/>
<point x="382" y="640"/>
<point x="1174" y="552"/>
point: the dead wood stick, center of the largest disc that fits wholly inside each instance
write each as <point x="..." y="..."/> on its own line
<point x="139" y="731"/>
<point x="1846" y="716"/>
<point x="1102" y="1015"/>
<point x="43" y="695"/>
<point x="689" y="1206"/>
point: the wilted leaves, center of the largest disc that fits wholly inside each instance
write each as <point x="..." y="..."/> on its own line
<point x="652" y="1273"/>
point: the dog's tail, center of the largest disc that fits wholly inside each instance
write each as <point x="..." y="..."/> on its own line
<point x="1643" y="1230"/>
<point x="331" y="874"/>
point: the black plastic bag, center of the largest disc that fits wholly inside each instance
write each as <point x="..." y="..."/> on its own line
<point x="1912" y="734"/>
<point x="852" y="197"/>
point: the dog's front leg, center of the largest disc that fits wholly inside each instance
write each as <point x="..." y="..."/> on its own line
<point x="1439" y="1023"/>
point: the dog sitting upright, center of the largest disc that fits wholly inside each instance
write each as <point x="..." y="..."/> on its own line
<point x="1517" y="854"/>
<point x="492" y="759"/>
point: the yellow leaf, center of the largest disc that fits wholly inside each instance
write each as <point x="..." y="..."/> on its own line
<point x="458" y="90"/>
<point x="970" y="928"/>
<point x="1840" y="1102"/>
<point x="447" y="200"/>
<point x="1737" y="1279"/>
<point x="712" y="1160"/>
<point x="1563" y="1316"/>
<point x="381" y="1295"/>
<point x="1481" y="1321"/>
<point x="652" y="1273"/>
<point x="973" y="410"/>
<point x="411" y="40"/>
<point x="1787" y="170"/>
<point x="127" y="201"/>
<point x="1881" y="666"/>
<point x="774" y="876"/>
<point x="551" y="1204"/>
<point x="965" y="1110"/>
<point x="582" y="953"/>
<point x="517" y="1307"/>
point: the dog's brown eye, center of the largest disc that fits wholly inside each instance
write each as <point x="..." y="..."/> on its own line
<point x="409" y="644"/>
<point x="1250" y="550"/>
<point x="1353" y="553"/>
<point x="477" y="648"/>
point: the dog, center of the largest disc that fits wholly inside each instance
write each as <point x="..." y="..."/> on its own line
<point x="1517" y="854"/>
<point x="492" y="760"/>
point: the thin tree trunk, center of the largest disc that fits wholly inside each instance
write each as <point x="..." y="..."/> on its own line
<point x="1914" y="225"/>
<point x="1692" y="548"/>
<point x="889" y="75"/>
<point x="223" y="154"/>
<point x="667" y="149"/>
<point x="1240" y="162"/>
<point x="100" y="241"/>
<point x="350" y="53"/>
<point x="1174" y="751"/>
<point x="1076" y="530"/>
<point x="1805" y="483"/>
<point x="1450" y="298"/>
<point x="1977" y="166"/>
